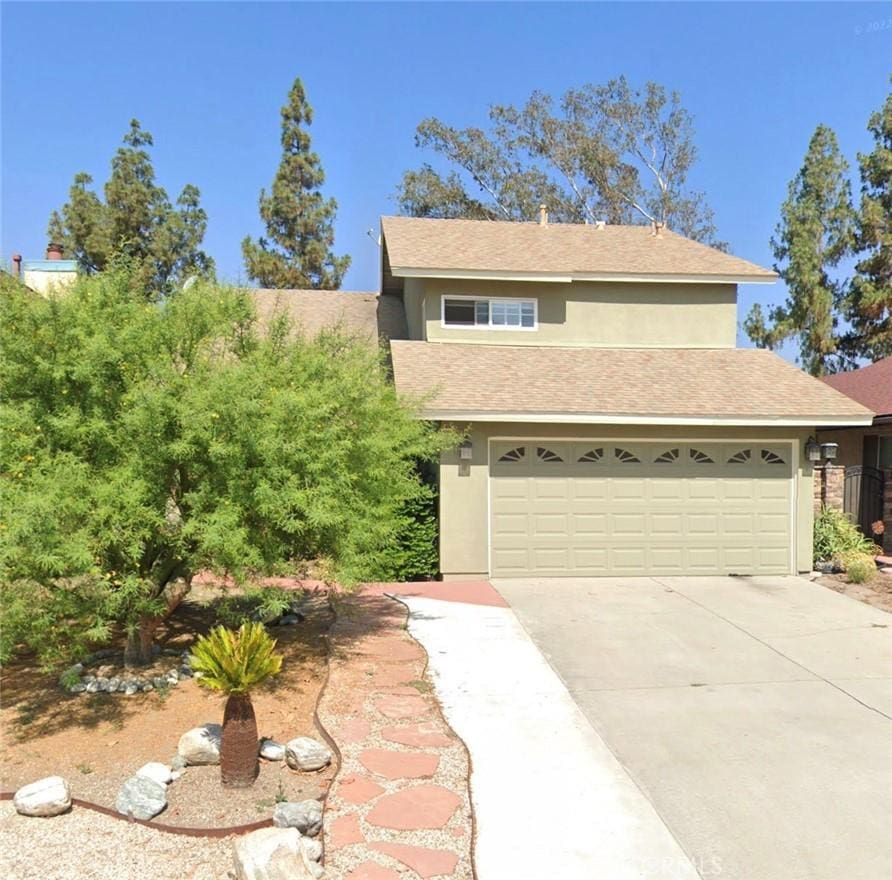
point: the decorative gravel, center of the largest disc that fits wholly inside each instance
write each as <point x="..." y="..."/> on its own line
<point x="85" y="845"/>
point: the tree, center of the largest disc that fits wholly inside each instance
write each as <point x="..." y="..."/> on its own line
<point x="606" y="152"/>
<point x="814" y="234"/>
<point x="144" y="442"/>
<point x="297" y="252"/>
<point x="869" y="304"/>
<point x="236" y="663"/>
<point x="136" y="221"/>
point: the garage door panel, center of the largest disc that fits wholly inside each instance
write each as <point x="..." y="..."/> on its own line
<point x="662" y="507"/>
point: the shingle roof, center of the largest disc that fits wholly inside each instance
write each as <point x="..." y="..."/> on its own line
<point x="478" y="381"/>
<point x="366" y="314"/>
<point x="871" y="385"/>
<point x="555" y="249"/>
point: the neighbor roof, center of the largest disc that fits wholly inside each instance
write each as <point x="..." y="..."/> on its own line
<point x="590" y="385"/>
<point x="871" y="385"/>
<point x="557" y="251"/>
<point x="366" y="314"/>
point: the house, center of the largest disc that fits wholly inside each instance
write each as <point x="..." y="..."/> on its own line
<point x="611" y="425"/>
<point x="43" y="275"/>
<point x="861" y="481"/>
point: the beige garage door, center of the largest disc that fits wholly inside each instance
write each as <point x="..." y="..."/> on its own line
<point x="615" y="508"/>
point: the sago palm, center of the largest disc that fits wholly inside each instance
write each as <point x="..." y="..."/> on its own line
<point x="235" y="663"/>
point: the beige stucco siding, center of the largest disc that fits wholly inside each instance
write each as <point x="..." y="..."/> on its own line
<point x="413" y="302"/>
<point x="614" y="315"/>
<point x="464" y="500"/>
<point x="851" y="442"/>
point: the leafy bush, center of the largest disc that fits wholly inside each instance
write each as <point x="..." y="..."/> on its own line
<point x="416" y="556"/>
<point x="860" y="568"/>
<point x="255" y="603"/>
<point x="835" y="536"/>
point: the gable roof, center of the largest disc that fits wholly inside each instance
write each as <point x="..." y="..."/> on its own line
<point x="871" y="385"/>
<point x="365" y="314"/>
<point x="417" y="247"/>
<point x="590" y="385"/>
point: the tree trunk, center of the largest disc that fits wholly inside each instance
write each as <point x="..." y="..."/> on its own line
<point x="239" y="764"/>
<point x="138" y="651"/>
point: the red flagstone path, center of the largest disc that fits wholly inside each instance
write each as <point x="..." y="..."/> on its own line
<point x="399" y="808"/>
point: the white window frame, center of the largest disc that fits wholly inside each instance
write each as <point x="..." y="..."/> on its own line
<point x="490" y="325"/>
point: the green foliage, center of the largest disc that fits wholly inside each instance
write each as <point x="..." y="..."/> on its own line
<point x="416" y="556"/>
<point x="603" y="152"/>
<point x="296" y="252"/>
<point x="136" y="221"/>
<point x="254" y="603"/>
<point x="815" y="233"/>
<point x="860" y="568"/>
<point x="143" y="442"/>
<point x="235" y="663"/>
<point x="869" y="304"/>
<point x="835" y="536"/>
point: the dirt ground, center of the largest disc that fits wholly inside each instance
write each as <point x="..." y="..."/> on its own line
<point x="96" y="741"/>
<point x="877" y="591"/>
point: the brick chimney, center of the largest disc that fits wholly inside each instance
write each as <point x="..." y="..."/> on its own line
<point x="54" y="251"/>
<point x="17" y="266"/>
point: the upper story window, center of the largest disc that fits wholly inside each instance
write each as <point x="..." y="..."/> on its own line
<point x="490" y="313"/>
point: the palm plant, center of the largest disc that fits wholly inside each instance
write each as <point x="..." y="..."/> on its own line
<point x="235" y="663"/>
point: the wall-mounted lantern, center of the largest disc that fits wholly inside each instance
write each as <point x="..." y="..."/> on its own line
<point x="829" y="451"/>
<point x="466" y="450"/>
<point x="813" y="450"/>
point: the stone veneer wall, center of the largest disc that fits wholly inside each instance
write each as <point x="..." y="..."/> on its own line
<point x="829" y="486"/>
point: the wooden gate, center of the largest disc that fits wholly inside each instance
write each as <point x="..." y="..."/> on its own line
<point x="863" y="496"/>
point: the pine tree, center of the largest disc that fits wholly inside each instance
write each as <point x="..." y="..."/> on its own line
<point x="136" y="221"/>
<point x="815" y="233"/>
<point x="869" y="306"/>
<point x="296" y="252"/>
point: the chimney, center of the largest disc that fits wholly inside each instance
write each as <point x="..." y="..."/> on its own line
<point x="657" y="229"/>
<point x="600" y="224"/>
<point x="543" y="215"/>
<point x="54" y="251"/>
<point x="17" y="265"/>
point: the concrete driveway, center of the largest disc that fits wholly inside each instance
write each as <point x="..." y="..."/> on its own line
<point x="755" y="714"/>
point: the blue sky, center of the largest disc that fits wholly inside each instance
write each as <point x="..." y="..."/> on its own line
<point x="208" y="79"/>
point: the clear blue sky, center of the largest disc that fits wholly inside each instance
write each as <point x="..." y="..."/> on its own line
<point x="208" y="79"/>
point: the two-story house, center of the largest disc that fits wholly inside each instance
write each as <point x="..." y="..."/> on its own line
<point x="613" y="427"/>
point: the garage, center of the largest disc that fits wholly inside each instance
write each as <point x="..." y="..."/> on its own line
<point x="611" y="507"/>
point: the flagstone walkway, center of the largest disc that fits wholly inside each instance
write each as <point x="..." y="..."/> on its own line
<point x="399" y="808"/>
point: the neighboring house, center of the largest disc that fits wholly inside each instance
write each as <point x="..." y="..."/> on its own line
<point x="862" y="481"/>
<point x="43" y="275"/>
<point x="612" y="426"/>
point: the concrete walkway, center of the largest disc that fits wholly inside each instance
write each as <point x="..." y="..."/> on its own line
<point x="754" y="713"/>
<point x="550" y="800"/>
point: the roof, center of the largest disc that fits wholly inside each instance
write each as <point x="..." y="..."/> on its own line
<point x="871" y="386"/>
<point x="555" y="251"/>
<point x="366" y="314"/>
<point x="590" y="385"/>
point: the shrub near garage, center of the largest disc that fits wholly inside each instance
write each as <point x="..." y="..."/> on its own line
<point x="837" y="539"/>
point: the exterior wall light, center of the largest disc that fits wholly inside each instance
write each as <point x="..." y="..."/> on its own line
<point x="466" y="450"/>
<point x="829" y="451"/>
<point x="813" y="449"/>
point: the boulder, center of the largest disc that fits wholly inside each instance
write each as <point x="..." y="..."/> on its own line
<point x="201" y="745"/>
<point x="273" y="854"/>
<point x="46" y="797"/>
<point x="312" y="847"/>
<point x="306" y="753"/>
<point x="305" y="816"/>
<point x="272" y="750"/>
<point x="141" y="798"/>
<point x="177" y="762"/>
<point x="156" y="771"/>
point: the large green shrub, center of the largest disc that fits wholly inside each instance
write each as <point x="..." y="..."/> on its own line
<point x="859" y="568"/>
<point x="836" y="536"/>
<point x="416" y="556"/>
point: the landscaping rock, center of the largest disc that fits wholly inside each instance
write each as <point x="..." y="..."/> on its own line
<point x="306" y="753"/>
<point x="46" y="797"/>
<point x="141" y="798"/>
<point x="272" y="750"/>
<point x="273" y="854"/>
<point x="131" y="688"/>
<point x="201" y="745"/>
<point x="92" y="687"/>
<point x="77" y="688"/>
<point x="312" y="847"/>
<point x="289" y="620"/>
<point x="156" y="771"/>
<point x="305" y="816"/>
<point x="178" y="762"/>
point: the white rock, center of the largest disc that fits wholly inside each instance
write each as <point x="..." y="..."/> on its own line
<point x="312" y="846"/>
<point x="201" y="745"/>
<point x="272" y="750"/>
<point x="305" y="816"/>
<point x="156" y="771"/>
<point x="306" y="753"/>
<point x="46" y="797"/>
<point x="141" y="798"/>
<point x="272" y="854"/>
